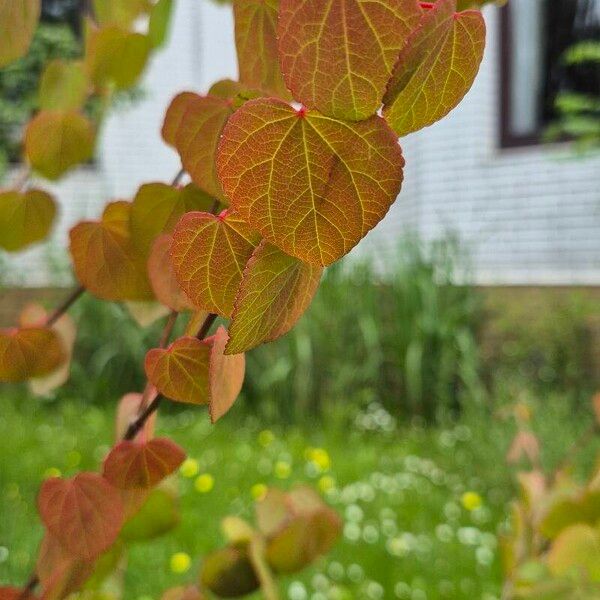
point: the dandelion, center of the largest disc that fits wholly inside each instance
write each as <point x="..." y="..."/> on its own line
<point x="51" y="472"/>
<point x="258" y="491"/>
<point x="282" y="469"/>
<point x="180" y="562"/>
<point x="266" y="437"/>
<point x="204" y="483"/>
<point x="189" y="468"/>
<point x="471" y="501"/>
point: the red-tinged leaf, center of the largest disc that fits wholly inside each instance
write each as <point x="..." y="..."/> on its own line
<point x="256" y="43"/>
<point x="275" y="291"/>
<point x="157" y="207"/>
<point x="180" y="372"/>
<point x="105" y="259"/>
<point x="18" y="20"/>
<point x="25" y="218"/>
<point x="436" y="68"/>
<point x="209" y="254"/>
<point x="183" y="593"/>
<point x="12" y="593"/>
<point x="34" y="315"/>
<point x="84" y="513"/>
<point x="64" y="86"/>
<point x="338" y="56"/>
<point x="129" y="407"/>
<point x="162" y="276"/>
<point x="145" y="312"/>
<point x="309" y="184"/>
<point x="29" y="352"/>
<point x="116" y="56"/>
<point x="193" y="125"/>
<point x="56" y="141"/>
<point x="226" y="375"/>
<point x="133" y="464"/>
<point x="596" y="406"/>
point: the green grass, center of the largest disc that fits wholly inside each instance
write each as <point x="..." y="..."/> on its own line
<point x="397" y="487"/>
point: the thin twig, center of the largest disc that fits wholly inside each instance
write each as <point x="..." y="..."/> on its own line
<point x="177" y="179"/>
<point x="203" y="331"/>
<point x="29" y="588"/>
<point x="65" y="305"/>
<point x="22" y="178"/>
<point x="168" y="330"/>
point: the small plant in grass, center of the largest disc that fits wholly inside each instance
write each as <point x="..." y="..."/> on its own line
<point x="290" y="167"/>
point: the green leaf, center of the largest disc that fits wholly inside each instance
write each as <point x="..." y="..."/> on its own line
<point x="436" y="68"/>
<point x="229" y="572"/>
<point x="160" y="17"/>
<point x="157" y="516"/>
<point x="64" y="86"/>
<point x="18" y="20"/>
<point x="576" y="551"/>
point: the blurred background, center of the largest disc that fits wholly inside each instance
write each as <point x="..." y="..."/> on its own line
<point x="394" y="394"/>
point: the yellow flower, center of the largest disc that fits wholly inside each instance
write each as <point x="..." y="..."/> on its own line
<point x="189" y="468"/>
<point x="52" y="472"/>
<point x="180" y="562"/>
<point x="282" y="470"/>
<point x="204" y="483"/>
<point x="319" y="457"/>
<point x="258" y="491"/>
<point x="266" y="437"/>
<point x="326" y="483"/>
<point x="471" y="500"/>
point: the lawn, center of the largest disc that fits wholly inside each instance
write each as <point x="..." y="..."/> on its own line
<point x="410" y="532"/>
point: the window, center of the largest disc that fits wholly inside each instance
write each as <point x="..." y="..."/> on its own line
<point x="535" y="34"/>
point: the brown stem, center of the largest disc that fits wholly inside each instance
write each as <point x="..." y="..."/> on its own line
<point x="65" y="305"/>
<point x="168" y="330"/>
<point x="29" y="588"/>
<point x="177" y="179"/>
<point x="22" y="178"/>
<point x="205" y="328"/>
<point x="215" y="205"/>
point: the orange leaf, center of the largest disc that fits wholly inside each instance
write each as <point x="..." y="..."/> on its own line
<point x="12" y="593"/>
<point x="56" y="141"/>
<point x="105" y="259"/>
<point x="18" y="20"/>
<point x="209" y="255"/>
<point x="162" y="276"/>
<point x="142" y="464"/>
<point x="116" y="56"/>
<point x="157" y="207"/>
<point x="180" y="372"/>
<point x="436" y="68"/>
<point x="127" y="411"/>
<point x="193" y="125"/>
<point x="226" y="375"/>
<point x="256" y="43"/>
<point x="84" y="513"/>
<point x="275" y="290"/>
<point x="29" y="352"/>
<point x="25" y="218"/>
<point x="309" y="184"/>
<point x="338" y="56"/>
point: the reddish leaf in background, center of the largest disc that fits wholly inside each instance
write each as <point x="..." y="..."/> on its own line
<point x="142" y="464"/>
<point x="157" y="207"/>
<point x="275" y="291"/>
<point x="56" y="141"/>
<point x="226" y="375"/>
<point x="128" y="409"/>
<point x="29" y="352"/>
<point x="183" y="593"/>
<point x="25" y="218"/>
<point x="436" y="68"/>
<point x="256" y="43"/>
<point x="12" y="593"/>
<point x="84" y="513"/>
<point x="180" y="372"/>
<point x="309" y="184"/>
<point x="105" y="259"/>
<point x="162" y="276"/>
<point x="209" y="254"/>
<point x="338" y="56"/>
<point x="193" y="125"/>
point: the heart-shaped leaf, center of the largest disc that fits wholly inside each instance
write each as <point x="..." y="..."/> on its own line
<point x="180" y="372"/>
<point x="132" y="464"/>
<point x="105" y="259"/>
<point x="157" y="207"/>
<point x="25" y="218"/>
<point x="209" y="255"/>
<point x="56" y="141"/>
<point x="116" y="56"/>
<point x="576" y="551"/>
<point x="229" y="572"/>
<point x="305" y="181"/>
<point x="193" y="126"/>
<point x="256" y="43"/>
<point x="338" y="56"/>
<point x="64" y="86"/>
<point x="275" y="291"/>
<point x="29" y="352"/>
<point x="84" y="513"/>
<point x="436" y="68"/>
<point x="162" y="276"/>
<point x="18" y="20"/>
